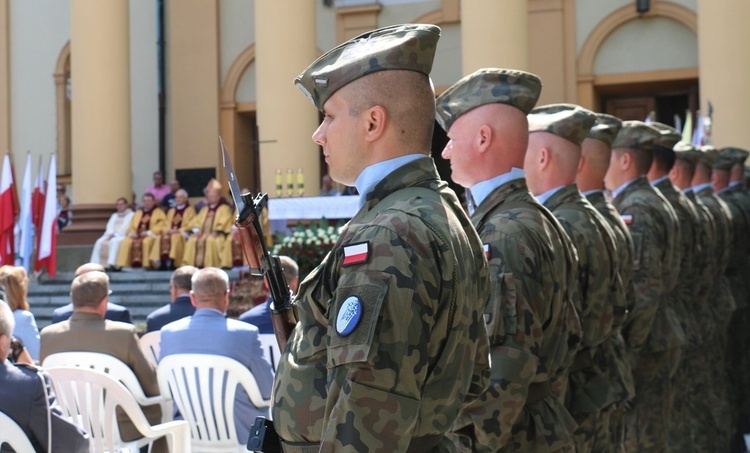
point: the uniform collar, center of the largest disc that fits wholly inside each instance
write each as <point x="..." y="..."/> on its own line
<point x="372" y="175"/>
<point x="482" y="190"/>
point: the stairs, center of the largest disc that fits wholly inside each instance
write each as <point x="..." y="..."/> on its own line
<point x="139" y="290"/>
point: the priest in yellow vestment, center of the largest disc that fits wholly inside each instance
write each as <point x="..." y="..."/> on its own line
<point x="167" y="254"/>
<point x="209" y="230"/>
<point x="147" y="224"/>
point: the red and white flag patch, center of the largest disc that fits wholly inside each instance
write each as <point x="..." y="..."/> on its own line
<point x="356" y="253"/>
<point x="486" y="248"/>
<point x="627" y="218"/>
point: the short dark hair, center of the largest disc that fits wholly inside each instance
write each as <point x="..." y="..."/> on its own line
<point x="664" y="157"/>
<point x="149" y="195"/>
<point x="641" y="158"/>
<point x="182" y="277"/>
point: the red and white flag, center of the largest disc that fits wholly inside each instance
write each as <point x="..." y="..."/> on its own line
<point x="356" y="253"/>
<point x="25" y="226"/>
<point x="46" y="252"/>
<point x="37" y="202"/>
<point x="7" y="214"/>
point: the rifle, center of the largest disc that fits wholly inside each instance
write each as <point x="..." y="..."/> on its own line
<point x="262" y="263"/>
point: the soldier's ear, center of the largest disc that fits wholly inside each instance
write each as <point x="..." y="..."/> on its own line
<point x="484" y="138"/>
<point x="375" y="119"/>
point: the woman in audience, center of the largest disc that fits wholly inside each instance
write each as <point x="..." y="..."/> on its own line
<point x="15" y="282"/>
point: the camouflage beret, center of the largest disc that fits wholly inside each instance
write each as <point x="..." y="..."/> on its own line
<point x="605" y="128"/>
<point x="687" y="152"/>
<point x="409" y="47"/>
<point x="669" y="135"/>
<point x="488" y="86"/>
<point x="708" y="155"/>
<point x="724" y="161"/>
<point x="567" y="121"/>
<point x="636" y="135"/>
<point x="739" y="154"/>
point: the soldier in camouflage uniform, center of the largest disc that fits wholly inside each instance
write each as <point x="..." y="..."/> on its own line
<point x="721" y="298"/>
<point x="552" y="160"/>
<point x="742" y="198"/>
<point x="652" y="332"/>
<point x="390" y="340"/>
<point x="700" y="402"/>
<point x="595" y="157"/>
<point x="531" y="321"/>
<point x="682" y="298"/>
<point x="737" y="274"/>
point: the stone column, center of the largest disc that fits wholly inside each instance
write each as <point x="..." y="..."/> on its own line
<point x="722" y="35"/>
<point x="100" y="110"/>
<point x="286" y="119"/>
<point x="494" y="34"/>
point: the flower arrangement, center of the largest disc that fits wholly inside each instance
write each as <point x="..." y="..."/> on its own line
<point x="307" y="245"/>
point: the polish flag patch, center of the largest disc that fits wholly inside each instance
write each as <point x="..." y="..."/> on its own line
<point x="356" y="253"/>
<point x="627" y="218"/>
<point x="486" y="248"/>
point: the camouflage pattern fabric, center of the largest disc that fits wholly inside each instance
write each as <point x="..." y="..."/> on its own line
<point x="605" y="128"/>
<point x="704" y="427"/>
<point x="687" y="306"/>
<point x="409" y="47"/>
<point x="532" y="326"/>
<point x="598" y="278"/>
<point x="724" y="305"/>
<point x="418" y="350"/>
<point x="487" y="86"/>
<point x="651" y="331"/>
<point x="636" y="135"/>
<point x="615" y="352"/>
<point x="742" y="199"/>
<point x="568" y="121"/>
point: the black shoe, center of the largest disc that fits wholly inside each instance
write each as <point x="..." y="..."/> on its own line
<point x="163" y="266"/>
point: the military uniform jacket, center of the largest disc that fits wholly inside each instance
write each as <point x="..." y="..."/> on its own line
<point x="738" y="255"/>
<point x="598" y="279"/>
<point x="390" y="341"/>
<point x="597" y="261"/>
<point x="708" y="271"/>
<point x="652" y="325"/>
<point x="531" y="322"/>
<point x="724" y="304"/>
<point x="615" y="358"/>
<point x="683" y="300"/>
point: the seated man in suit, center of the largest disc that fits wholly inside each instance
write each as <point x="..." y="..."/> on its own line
<point x="260" y="315"/>
<point x="179" y="287"/>
<point x="208" y="331"/>
<point x="88" y="331"/>
<point x="115" y="312"/>
<point x="147" y="224"/>
<point x="26" y="396"/>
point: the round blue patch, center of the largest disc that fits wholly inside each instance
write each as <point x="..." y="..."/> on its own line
<point x="349" y="316"/>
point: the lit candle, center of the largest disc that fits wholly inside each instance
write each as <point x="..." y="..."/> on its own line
<point x="300" y="183"/>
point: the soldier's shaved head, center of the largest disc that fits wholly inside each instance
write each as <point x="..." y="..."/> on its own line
<point x="551" y="161"/>
<point x="595" y="156"/>
<point x="407" y="97"/>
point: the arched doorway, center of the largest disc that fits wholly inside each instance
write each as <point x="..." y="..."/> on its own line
<point x="238" y="123"/>
<point x="613" y="79"/>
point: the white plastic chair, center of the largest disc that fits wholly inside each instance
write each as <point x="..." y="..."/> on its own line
<point x="115" y="367"/>
<point x="203" y="387"/>
<point x="271" y="351"/>
<point x="91" y="397"/>
<point x="12" y="435"/>
<point x="150" y="344"/>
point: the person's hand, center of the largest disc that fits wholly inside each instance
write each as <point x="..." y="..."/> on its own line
<point x="110" y="236"/>
<point x="18" y="353"/>
<point x="214" y="234"/>
<point x="134" y="235"/>
<point x="144" y="234"/>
